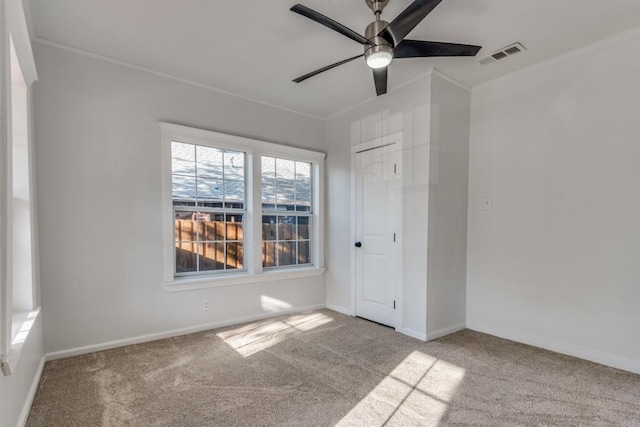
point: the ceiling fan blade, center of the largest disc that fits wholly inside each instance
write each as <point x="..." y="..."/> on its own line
<point x="323" y="69"/>
<point x="408" y="19"/>
<point x="380" y="79"/>
<point x="328" y="22"/>
<point x="422" y="49"/>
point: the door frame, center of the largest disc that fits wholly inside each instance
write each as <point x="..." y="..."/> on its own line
<point x="396" y="140"/>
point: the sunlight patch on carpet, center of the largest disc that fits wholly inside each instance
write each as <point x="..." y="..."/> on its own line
<point x="255" y="337"/>
<point x="419" y="388"/>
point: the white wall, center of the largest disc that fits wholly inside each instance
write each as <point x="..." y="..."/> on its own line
<point x="432" y="116"/>
<point x="448" y="195"/>
<point x="17" y="389"/>
<point x="555" y="262"/>
<point x="99" y="199"/>
<point x="21" y="345"/>
<point x="406" y="111"/>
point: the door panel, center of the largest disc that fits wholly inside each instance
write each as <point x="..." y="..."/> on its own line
<point x="376" y="214"/>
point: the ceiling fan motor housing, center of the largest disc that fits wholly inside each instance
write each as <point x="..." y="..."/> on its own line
<point x="379" y="45"/>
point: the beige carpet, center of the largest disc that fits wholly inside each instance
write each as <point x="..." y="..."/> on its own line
<point x="323" y="368"/>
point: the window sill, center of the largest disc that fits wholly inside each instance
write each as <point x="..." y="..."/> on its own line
<point x="22" y="322"/>
<point x="194" y="283"/>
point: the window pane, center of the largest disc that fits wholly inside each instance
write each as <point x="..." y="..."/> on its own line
<point x="185" y="227"/>
<point x="184" y="188"/>
<point x="303" y="193"/>
<point x="211" y="256"/>
<point x="303" y="171"/>
<point x="186" y="257"/>
<point x="234" y="227"/>
<point x="285" y="169"/>
<point x="286" y="253"/>
<point x="285" y="178"/>
<point x="269" y="228"/>
<point x="269" y="167"/>
<point x="209" y="190"/>
<point x="234" y="165"/>
<point x="234" y="256"/>
<point x="269" y="254"/>
<point x="286" y="227"/>
<point x="268" y="183"/>
<point x="285" y="195"/>
<point x="183" y="159"/>
<point x="303" y="228"/>
<point x="209" y="162"/>
<point x="233" y="191"/>
<point x="304" y="254"/>
<point x="212" y="226"/>
<point x="303" y="185"/>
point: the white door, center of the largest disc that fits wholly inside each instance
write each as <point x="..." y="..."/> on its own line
<point x="377" y="212"/>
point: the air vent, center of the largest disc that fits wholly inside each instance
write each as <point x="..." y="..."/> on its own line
<point x="503" y="53"/>
<point x="498" y="56"/>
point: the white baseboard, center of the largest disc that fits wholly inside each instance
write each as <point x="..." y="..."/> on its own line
<point x="413" y="334"/>
<point x="445" y="331"/>
<point x="26" y="408"/>
<point x="174" y="333"/>
<point x="596" y="356"/>
<point x="340" y="309"/>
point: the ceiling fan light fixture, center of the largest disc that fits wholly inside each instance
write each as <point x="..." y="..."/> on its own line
<point x="379" y="59"/>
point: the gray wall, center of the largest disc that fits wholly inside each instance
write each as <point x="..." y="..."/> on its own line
<point x="555" y="262"/>
<point x="448" y="196"/>
<point x="99" y="199"/>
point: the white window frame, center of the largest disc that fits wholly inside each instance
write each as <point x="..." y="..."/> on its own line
<point x="15" y="325"/>
<point x="254" y="150"/>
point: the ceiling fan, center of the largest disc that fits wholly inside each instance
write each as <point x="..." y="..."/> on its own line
<point x="385" y="41"/>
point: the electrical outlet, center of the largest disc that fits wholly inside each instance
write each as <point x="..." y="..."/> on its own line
<point x="205" y="305"/>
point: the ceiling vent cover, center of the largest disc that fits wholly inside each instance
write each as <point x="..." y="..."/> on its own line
<point x="503" y="53"/>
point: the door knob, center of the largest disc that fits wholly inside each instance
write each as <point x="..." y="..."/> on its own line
<point x="358" y="244"/>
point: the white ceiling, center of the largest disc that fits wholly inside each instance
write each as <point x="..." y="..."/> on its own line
<point x="254" y="48"/>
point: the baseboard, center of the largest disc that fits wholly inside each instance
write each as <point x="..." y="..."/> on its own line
<point x="174" y="333"/>
<point x="26" y="408"/>
<point x="413" y="334"/>
<point x="596" y="356"/>
<point x="445" y="331"/>
<point x="340" y="309"/>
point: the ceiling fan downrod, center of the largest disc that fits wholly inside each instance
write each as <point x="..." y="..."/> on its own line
<point x="377" y="6"/>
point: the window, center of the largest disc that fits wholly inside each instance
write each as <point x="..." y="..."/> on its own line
<point x="238" y="210"/>
<point x="17" y="249"/>
<point x="207" y="188"/>
<point x="286" y="212"/>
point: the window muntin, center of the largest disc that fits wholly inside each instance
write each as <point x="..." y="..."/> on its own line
<point x="208" y="194"/>
<point x="286" y="237"/>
